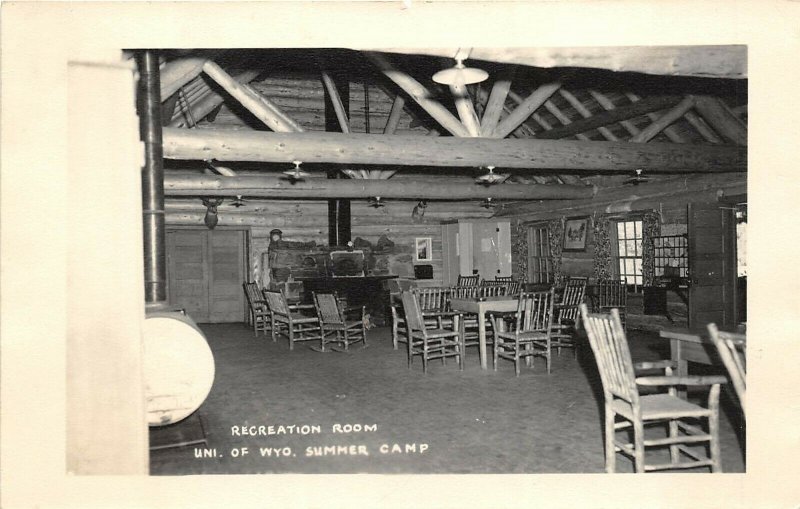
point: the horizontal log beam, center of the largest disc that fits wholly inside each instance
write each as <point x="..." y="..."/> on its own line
<point x="271" y="187"/>
<point x="318" y="147"/>
<point x="611" y="116"/>
<point x="623" y="196"/>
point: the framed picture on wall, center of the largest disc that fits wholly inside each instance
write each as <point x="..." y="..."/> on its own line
<point x="423" y="249"/>
<point x="576" y="230"/>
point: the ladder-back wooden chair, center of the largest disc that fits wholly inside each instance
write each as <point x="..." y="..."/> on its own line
<point x="531" y="336"/>
<point x="298" y="327"/>
<point x="567" y="314"/>
<point x="333" y="322"/>
<point x="258" y="312"/>
<point x="430" y="343"/>
<point x="473" y="280"/>
<point x="625" y="408"/>
<point x="513" y="288"/>
<point x="732" y="348"/>
<point x="396" y="288"/>
<point x="434" y="302"/>
<point x="613" y="295"/>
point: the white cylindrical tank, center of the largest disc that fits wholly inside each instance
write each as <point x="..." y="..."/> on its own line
<point x="178" y="367"/>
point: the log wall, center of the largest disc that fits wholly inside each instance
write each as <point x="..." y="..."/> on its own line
<point x="308" y="221"/>
<point x="673" y="212"/>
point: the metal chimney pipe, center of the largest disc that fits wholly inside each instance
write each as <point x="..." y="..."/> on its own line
<point x="149" y="106"/>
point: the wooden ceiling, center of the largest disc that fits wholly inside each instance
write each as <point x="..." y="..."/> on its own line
<point x="694" y="99"/>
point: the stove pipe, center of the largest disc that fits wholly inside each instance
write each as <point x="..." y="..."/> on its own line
<point x="149" y="108"/>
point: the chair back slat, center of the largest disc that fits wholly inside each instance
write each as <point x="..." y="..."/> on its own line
<point x="612" y="294"/>
<point x="277" y="302"/>
<point x="469" y="280"/>
<point x="513" y="288"/>
<point x="328" y="308"/>
<point x="574" y="294"/>
<point x="253" y="294"/>
<point x="492" y="290"/>
<point x="535" y="312"/>
<point x="413" y="312"/>
<point x="612" y="354"/>
<point x="465" y="292"/>
<point x="732" y="348"/>
<point x="432" y="299"/>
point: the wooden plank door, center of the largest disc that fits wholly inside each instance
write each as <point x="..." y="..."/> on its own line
<point x="712" y="265"/>
<point x="226" y="297"/>
<point x="205" y="271"/>
<point x="187" y="272"/>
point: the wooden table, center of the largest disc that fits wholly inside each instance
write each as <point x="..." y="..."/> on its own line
<point x="686" y="346"/>
<point x="480" y="307"/>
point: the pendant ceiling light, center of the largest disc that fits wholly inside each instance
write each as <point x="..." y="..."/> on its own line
<point x="238" y="202"/>
<point x="296" y="173"/>
<point x="376" y="202"/>
<point x="488" y="203"/>
<point x="460" y="74"/>
<point x="490" y="178"/>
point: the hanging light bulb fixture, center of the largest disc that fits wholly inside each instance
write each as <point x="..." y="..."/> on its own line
<point x="296" y="173"/>
<point x="460" y="73"/>
<point x="488" y="203"/>
<point x="376" y="202"/>
<point x="238" y="202"/>
<point x="490" y="178"/>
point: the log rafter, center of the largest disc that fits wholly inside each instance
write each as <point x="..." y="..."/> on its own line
<point x="585" y="113"/>
<point x="525" y="109"/>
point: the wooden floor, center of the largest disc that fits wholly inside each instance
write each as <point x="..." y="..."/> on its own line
<point x="444" y="422"/>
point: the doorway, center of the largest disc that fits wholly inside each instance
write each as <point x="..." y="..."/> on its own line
<point x="205" y="271"/>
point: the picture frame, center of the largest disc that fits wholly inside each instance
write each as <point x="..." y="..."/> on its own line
<point x="576" y="229"/>
<point x="423" y="249"/>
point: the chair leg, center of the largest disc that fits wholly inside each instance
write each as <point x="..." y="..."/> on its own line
<point x="638" y="445"/>
<point x="548" y="354"/>
<point x="274" y="326"/>
<point x="713" y="430"/>
<point x="424" y="357"/>
<point x="674" y="453"/>
<point x="611" y="452"/>
<point x="495" y="351"/>
<point x="290" y="325"/>
<point x="516" y="358"/>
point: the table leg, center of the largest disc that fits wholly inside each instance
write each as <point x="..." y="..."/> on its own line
<point x="676" y="356"/>
<point x="482" y="336"/>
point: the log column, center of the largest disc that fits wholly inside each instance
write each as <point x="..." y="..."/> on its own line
<point x="338" y="210"/>
<point x="149" y="106"/>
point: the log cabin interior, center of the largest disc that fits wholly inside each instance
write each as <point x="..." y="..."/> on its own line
<point x="380" y="175"/>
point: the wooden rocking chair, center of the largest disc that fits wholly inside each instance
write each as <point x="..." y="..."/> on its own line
<point x="623" y="401"/>
<point x="332" y="322"/>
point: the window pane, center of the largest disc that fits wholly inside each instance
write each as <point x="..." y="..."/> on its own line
<point x="630" y="248"/>
<point x="621" y="248"/>
<point x="639" y="247"/>
<point x="629" y="229"/>
<point x="629" y="267"/>
<point x="638" y="265"/>
<point x="620" y="230"/>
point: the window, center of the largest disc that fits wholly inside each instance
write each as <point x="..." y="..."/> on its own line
<point x="540" y="265"/>
<point x="629" y="252"/>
